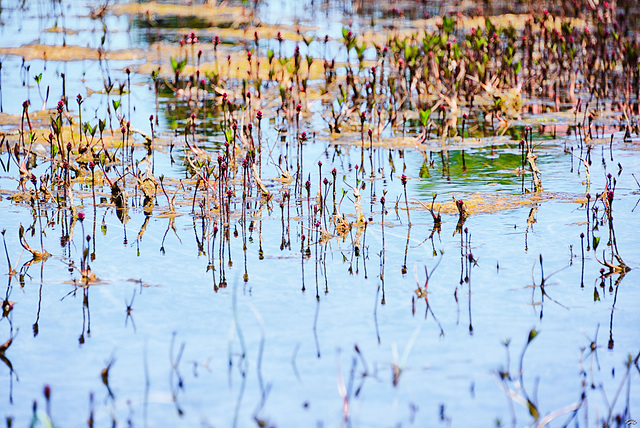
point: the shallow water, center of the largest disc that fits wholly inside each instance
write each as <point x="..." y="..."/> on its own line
<point x="185" y="348"/>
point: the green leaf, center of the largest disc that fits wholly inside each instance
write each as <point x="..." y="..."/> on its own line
<point x="182" y="63"/>
<point x="532" y="334"/>
<point x="448" y="24"/>
<point x="490" y="27"/>
<point x="116" y="104"/>
<point x="174" y="64"/>
<point x="596" y="241"/>
<point x="424" y="116"/>
<point x="455" y="48"/>
<point x="518" y="67"/>
<point x="38" y="78"/>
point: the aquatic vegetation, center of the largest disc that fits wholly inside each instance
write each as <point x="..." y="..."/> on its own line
<point x="248" y="126"/>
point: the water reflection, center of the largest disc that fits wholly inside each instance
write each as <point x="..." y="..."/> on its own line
<point x="214" y="166"/>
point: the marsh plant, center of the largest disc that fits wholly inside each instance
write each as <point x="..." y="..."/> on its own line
<point x="213" y="119"/>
